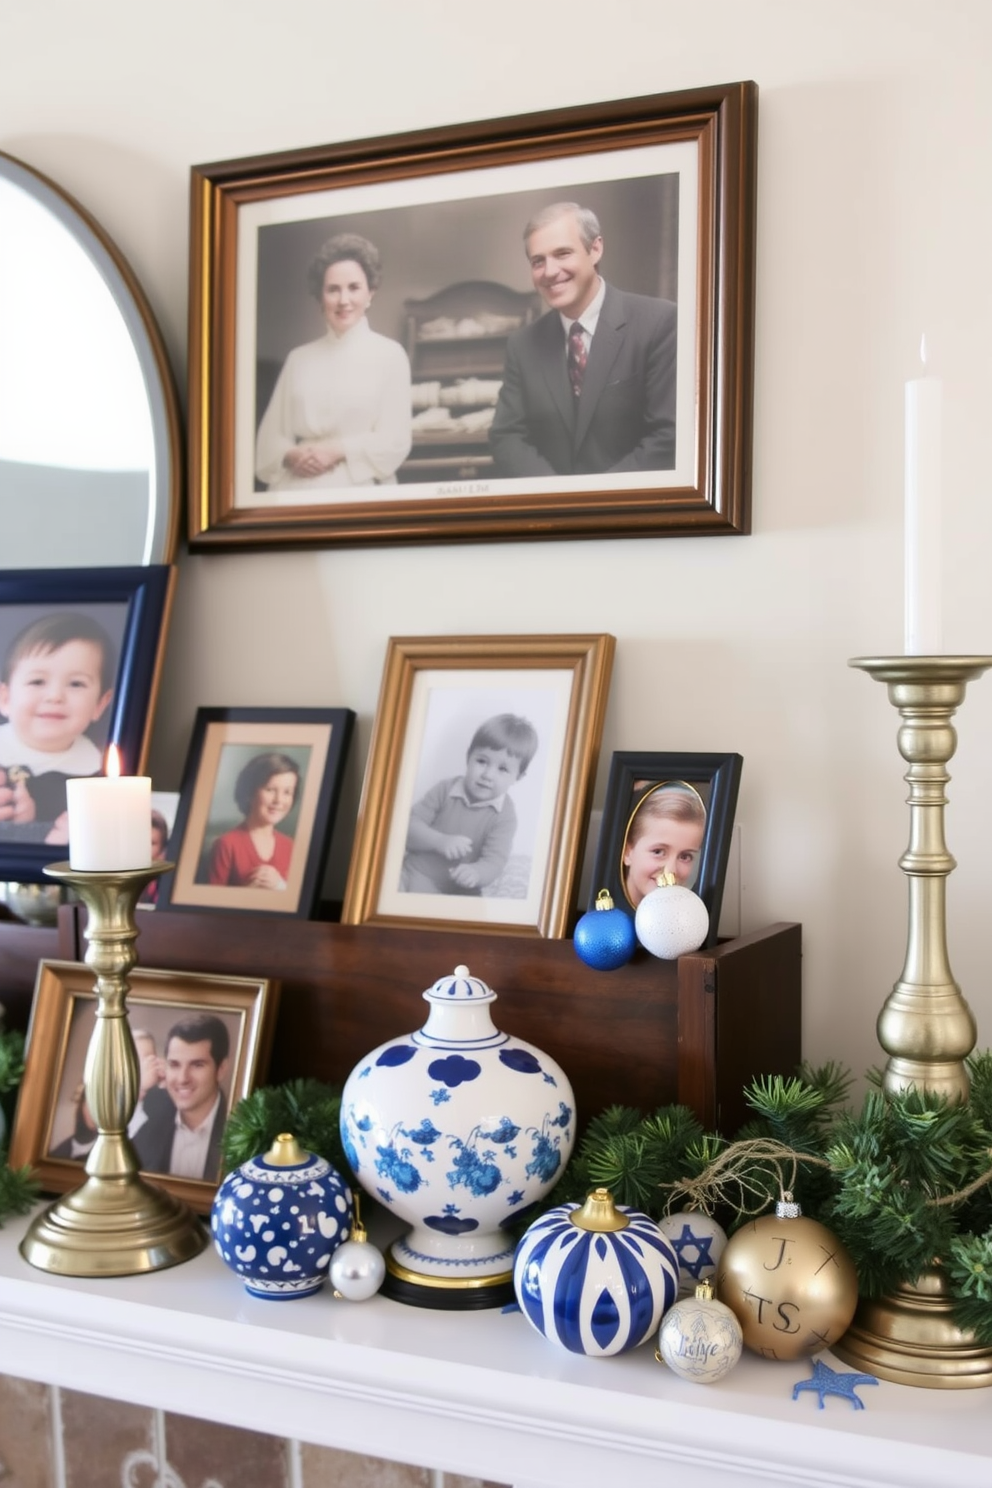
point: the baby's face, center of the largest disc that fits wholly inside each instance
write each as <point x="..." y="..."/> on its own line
<point x="53" y="696"/>
<point x="666" y="846"/>
<point x="489" y="773"/>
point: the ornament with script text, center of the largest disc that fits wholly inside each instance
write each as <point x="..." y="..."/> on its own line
<point x="700" y="1338"/>
<point x="791" y="1283"/>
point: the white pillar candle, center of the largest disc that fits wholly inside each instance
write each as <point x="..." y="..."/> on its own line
<point x="109" y="820"/>
<point x="922" y="514"/>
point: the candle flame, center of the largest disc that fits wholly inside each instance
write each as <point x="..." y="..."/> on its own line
<point x="923" y="349"/>
<point x="112" y="762"/>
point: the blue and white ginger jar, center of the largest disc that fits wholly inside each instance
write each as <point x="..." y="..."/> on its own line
<point x="459" y="1129"/>
<point x="596" y="1279"/>
<point x="279" y="1218"/>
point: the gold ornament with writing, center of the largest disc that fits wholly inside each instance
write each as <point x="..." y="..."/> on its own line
<point x="791" y="1283"/>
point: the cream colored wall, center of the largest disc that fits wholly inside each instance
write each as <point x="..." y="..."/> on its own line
<point x="874" y="225"/>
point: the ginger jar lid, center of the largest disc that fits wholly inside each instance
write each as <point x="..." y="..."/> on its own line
<point x="461" y="986"/>
<point x="459" y="1013"/>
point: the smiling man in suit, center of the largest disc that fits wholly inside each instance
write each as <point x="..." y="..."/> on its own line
<point x="589" y="388"/>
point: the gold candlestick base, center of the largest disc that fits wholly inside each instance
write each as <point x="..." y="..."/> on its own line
<point x="117" y="1223"/>
<point x="925" y="1026"/>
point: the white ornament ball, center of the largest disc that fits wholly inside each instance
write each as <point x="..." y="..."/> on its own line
<point x="700" y="1339"/>
<point x="670" y="921"/>
<point x="698" y="1241"/>
<point x="357" y="1270"/>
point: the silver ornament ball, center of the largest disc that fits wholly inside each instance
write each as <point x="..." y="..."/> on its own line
<point x="357" y="1270"/>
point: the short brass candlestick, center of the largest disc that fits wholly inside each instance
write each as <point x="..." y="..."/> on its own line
<point x="116" y="1223"/>
<point x="925" y="1026"/>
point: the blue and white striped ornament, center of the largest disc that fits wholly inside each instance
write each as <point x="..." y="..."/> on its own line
<point x="596" y="1279"/>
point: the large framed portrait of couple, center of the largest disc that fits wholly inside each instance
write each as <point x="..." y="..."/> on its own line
<point x="80" y="653"/>
<point x="529" y="327"/>
<point x="256" y="809"/>
<point x="478" y="785"/>
<point x="202" y="1044"/>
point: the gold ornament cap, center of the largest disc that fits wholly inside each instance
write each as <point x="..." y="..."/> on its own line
<point x="787" y="1208"/>
<point x="666" y="880"/>
<point x="599" y="1214"/>
<point x="604" y="899"/>
<point x="285" y="1152"/>
<point x="704" y="1291"/>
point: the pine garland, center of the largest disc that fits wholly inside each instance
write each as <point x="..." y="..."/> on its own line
<point x="307" y="1109"/>
<point x="906" y="1178"/>
<point x="18" y="1188"/>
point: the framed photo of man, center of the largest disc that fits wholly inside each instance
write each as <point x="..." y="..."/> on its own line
<point x="528" y="327"/>
<point x="80" y="651"/>
<point x="256" y="808"/>
<point x="477" y="789"/>
<point x="202" y="1044"/>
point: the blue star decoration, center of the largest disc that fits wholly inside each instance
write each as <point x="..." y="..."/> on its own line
<point x="700" y="1244"/>
<point x="826" y="1381"/>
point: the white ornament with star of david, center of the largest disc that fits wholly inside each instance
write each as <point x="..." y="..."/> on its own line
<point x="698" y="1241"/>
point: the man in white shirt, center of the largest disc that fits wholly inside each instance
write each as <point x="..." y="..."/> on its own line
<point x="589" y="388"/>
<point x="183" y="1132"/>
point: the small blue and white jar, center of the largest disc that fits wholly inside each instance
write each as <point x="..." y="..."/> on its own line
<point x="596" y="1279"/>
<point x="278" y="1219"/>
<point x="458" y="1129"/>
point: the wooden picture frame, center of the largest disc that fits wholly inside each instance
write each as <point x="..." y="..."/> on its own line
<point x="662" y="443"/>
<point x="64" y="616"/>
<point x="233" y="755"/>
<point x="700" y="792"/>
<point x="45" y="1134"/>
<point x="534" y="705"/>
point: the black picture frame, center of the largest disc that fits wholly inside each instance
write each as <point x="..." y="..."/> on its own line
<point x="137" y="602"/>
<point x="317" y="739"/>
<point x="634" y="775"/>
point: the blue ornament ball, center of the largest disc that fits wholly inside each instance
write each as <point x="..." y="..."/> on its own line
<point x="590" y="1286"/>
<point x="278" y="1219"/>
<point x="605" y="937"/>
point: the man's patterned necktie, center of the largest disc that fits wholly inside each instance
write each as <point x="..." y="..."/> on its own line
<point x="577" y="357"/>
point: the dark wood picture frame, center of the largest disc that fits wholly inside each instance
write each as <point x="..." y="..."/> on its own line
<point x="633" y="777"/>
<point x="58" y="1037"/>
<point x="132" y="605"/>
<point x="711" y="136"/>
<point x="224" y="745"/>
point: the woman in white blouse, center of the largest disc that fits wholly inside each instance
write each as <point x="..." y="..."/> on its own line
<point x="340" y="412"/>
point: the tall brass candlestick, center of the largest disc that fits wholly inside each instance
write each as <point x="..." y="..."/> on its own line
<point x="925" y="1026"/>
<point x="116" y="1223"/>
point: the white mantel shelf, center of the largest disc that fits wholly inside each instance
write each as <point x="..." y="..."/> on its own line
<point x="476" y="1393"/>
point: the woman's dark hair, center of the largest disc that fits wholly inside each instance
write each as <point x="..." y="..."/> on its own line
<point x="342" y="247"/>
<point x="257" y="771"/>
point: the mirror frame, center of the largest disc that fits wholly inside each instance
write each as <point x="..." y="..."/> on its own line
<point x="163" y="533"/>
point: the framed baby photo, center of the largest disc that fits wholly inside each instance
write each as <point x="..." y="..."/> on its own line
<point x="378" y="330"/>
<point x="202" y="1044"/>
<point x="667" y="813"/>
<point x="256" y="809"/>
<point x="80" y="653"/>
<point x="478" y="785"/>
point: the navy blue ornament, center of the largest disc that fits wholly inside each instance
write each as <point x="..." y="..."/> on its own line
<point x="605" y="937"/>
<point x="278" y="1219"/>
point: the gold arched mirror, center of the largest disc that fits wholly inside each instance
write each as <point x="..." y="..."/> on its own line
<point x="90" y="452"/>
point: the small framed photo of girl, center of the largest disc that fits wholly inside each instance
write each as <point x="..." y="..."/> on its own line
<point x="256" y="808"/>
<point x="667" y="813"/>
